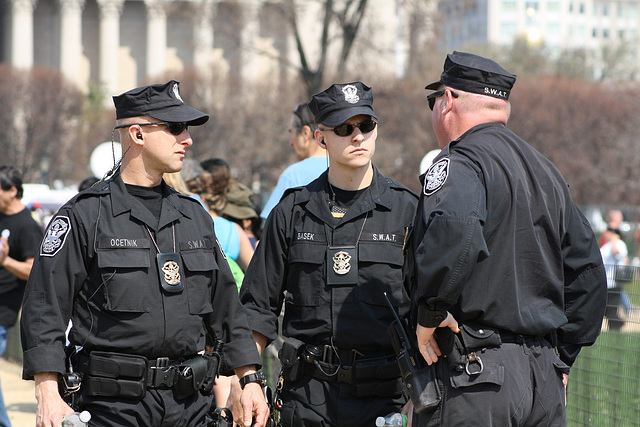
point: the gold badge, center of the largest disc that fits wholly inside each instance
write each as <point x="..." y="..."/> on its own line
<point x="171" y="271"/>
<point x="341" y="263"/>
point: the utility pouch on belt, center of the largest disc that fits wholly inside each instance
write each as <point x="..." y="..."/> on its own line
<point x="476" y="337"/>
<point x="191" y="374"/>
<point x="113" y="374"/>
<point x="290" y="358"/>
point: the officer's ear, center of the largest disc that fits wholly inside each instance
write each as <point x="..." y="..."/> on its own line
<point x="319" y="135"/>
<point x="135" y="134"/>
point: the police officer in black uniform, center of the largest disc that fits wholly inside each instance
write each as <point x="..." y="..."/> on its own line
<point x="137" y="268"/>
<point x="329" y="251"/>
<point x="503" y="254"/>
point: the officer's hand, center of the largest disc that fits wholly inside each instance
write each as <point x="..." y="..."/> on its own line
<point x="51" y="408"/>
<point x="427" y="343"/>
<point x="233" y="402"/>
<point x="254" y="406"/>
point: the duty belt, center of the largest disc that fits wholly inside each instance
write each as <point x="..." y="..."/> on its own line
<point x="369" y="377"/>
<point x="122" y="375"/>
<point x="511" y="338"/>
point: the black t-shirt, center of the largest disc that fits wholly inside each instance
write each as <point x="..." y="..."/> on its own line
<point x="24" y="240"/>
<point x="150" y="197"/>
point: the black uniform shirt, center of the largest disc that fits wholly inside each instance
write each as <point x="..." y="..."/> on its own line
<point x="97" y="265"/>
<point x="499" y="240"/>
<point x="292" y="257"/>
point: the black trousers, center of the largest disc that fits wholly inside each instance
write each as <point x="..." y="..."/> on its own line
<point x="521" y="385"/>
<point x="158" y="408"/>
<point x="313" y="403"/>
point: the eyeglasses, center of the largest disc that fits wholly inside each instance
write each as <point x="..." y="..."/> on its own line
<point x="431" y="98"/>
<point x="175" y="128"/>
<point x="347" y="129"/>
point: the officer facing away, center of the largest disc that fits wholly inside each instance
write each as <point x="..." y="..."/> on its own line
<point x="329" y="251"/>
<point x="503" y="253"/>
<point x="137" y="268"/>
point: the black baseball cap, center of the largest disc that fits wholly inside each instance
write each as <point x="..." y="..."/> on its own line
<point x="340" y="102"/>
<point x="475" y="74"/>
<point x="160" y="101"/>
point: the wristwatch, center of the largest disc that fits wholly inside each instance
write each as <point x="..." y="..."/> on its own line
<point x="258" y="377"/>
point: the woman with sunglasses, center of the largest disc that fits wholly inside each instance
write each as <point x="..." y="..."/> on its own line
<point x="329" y="252"/>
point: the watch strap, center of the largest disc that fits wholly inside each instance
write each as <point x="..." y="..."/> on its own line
<point x="258" y="377"/>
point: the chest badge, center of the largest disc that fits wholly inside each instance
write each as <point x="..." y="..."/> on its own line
<point x="171" y="271"/>
<point x="341" y="262"/>
<point x="436" y="176"/>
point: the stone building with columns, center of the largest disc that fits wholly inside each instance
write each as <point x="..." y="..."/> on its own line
<point x="121" y="43"/>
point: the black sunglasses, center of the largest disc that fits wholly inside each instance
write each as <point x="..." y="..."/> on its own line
<point x="347" y="129"/>
<point x="431" y="98"/>
<point x="175" y="128"/>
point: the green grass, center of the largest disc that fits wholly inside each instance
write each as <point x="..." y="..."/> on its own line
<point x="604" y="385"/>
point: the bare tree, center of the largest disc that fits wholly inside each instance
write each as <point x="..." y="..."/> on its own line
<point x="340" y="22"/>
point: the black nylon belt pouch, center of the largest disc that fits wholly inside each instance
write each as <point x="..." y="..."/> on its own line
<point x="115" y="375"/>
<point x="476" y="337"/>
<point x="191" y="375"/>
<point x="290" y="358"/>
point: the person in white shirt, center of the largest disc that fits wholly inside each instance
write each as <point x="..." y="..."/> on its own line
<point x="614" y="255"/>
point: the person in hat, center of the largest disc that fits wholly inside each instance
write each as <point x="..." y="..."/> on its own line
<point x="137" y="268"/>
<point x="240" y="209"/>
<point x="311" y="157"/>
<point x="329" y="251"/>
<point x="503" y="255"/>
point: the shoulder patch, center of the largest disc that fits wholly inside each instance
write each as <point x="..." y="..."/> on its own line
<point x="436" y="176"/>
<point x="56" y="235"/>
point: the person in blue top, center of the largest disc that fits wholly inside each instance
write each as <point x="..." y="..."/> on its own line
<point x="312" y="160"/>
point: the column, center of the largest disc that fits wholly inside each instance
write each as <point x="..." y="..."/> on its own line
<point x="250" y="35"/>
<point x="71" y="39"/>
<point x="22" y="33"/>
<point x="203" y="35"/>
<point x="110" y="44"/>
<point x="156" y="37"/>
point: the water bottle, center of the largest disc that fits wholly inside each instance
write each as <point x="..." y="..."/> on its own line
<point x="392" y="420"/>
<point x="77" y="419"/>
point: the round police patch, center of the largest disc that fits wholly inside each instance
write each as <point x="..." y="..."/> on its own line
<point x="436" y="176"/>
<point x="56" y="235"/>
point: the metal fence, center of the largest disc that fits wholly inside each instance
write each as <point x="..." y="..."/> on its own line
<point x="604" y="385"/>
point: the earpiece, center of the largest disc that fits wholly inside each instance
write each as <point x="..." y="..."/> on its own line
<point x="139" y="136"/>
<point x="322" y="142"/>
